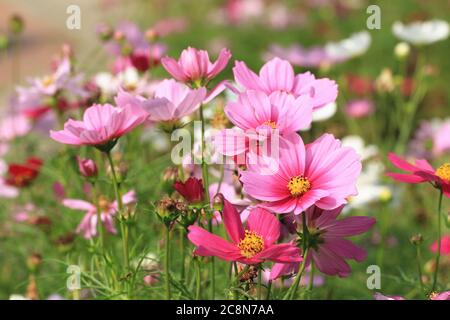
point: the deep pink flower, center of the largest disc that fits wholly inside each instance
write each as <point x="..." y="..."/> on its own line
<point x="328" y="247"/>
<point x="434" y="296"/>
<point x="87" y="167"/>
<point x="194" y="65"/>
<point x="101" y="125"/>
<point x="253" y="245"/>
<point x="88" y="225"/>
<point x="192" y="189"/>
<point x="421" y="171"/>
<point x="259" y="116"/>
<point x="278" y="75"/>
<point x="322" y="173"/>
<point x="445" y="245"/>
<point x="379" y="296"/>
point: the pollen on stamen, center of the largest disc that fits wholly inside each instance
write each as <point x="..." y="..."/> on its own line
<point x="443" y="172"/>
<point x="298" y="186"/>
<point x="251" y="244"/>
<point x="271" y="124"/>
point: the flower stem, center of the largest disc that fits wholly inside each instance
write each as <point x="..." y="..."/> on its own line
<point x="292" y="292"/>
<point x="419" y="265"/>
<point x="183" y="254"/>
<point x="438" y="255"/>
<point x="123" y="226"/>
<point x="259" y="282"/>
<point x="167" y="265"/>
<point x="198" y="280"/>
<point x="95" y="196"/>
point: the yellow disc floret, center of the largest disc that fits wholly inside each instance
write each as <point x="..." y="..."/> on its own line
<point x="443" y="172"/>
<point x="298" y="186"/>
<point x="251" y="245"/>
<point x="271" y="124"/>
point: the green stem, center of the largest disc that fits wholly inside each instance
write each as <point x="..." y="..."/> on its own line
<point x="438" y="255"/>
<point x="183" y="254"/>
<point x="259" y="282"/>
<point x="199" y="279"/>
<point x="99" y="215"/>
<point x="123" y="225"/>
<point x="269" y="289"/>
<point x="419" y="265"/>
<point x="167" y="265"/>
<point x="292" y="292"/>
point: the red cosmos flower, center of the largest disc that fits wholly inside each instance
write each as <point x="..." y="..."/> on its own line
<point x="21" y="175"/>
<point x="421" y="171"/>
<point x="359" y="85"/>
<point x="192" y="189"/>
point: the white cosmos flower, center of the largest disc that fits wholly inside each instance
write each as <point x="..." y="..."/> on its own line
<point x="422" y="33"/>
<point x="356" y="45"/>
<point x="357" y="143"/>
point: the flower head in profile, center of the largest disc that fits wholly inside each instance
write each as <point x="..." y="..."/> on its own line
<point x="192" y="189"/>
<point x="422" y="32"/>
<point x="22" y="174"/>
<point x="101" y="126"/>
<point x="88" y="225"/>
<point x="252" y="245"/>
<point x="278" y="75"/>
<point x="87" y="167"/>
<point x="421" y="171"/>
<point x="174" y="100"/>
<point x="322" y="173"/>
<point x="329" y="248"/>
<point x="194" y="65"/>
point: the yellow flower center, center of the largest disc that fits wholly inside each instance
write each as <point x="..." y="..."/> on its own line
<point x="251" y="245"/>
<point x="298" y="186"/>
<point x="47" y="81"/>
<point x="443" y="172"/>
<point x="271" y="124"/>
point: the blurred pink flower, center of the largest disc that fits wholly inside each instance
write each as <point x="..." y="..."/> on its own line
<point x="88" y="225"/>
<point x="431" y="139"/>
<point x="194" y="65"/>
<point x="322" y="173"/>
<point x="278" y="75"/>
<point x="314" y="57"/>
<point x="328" y="247"/>
<point x="102" y="125"/>
<point x="87" y="167"/>
<point x="445" y="245"/>
<point x="359" y="108"/>
<point x="253" y="245"/>
<point x="13" y="126"/>
<point x="379" y="296"/>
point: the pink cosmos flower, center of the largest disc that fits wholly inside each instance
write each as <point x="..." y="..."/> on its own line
<point x="322" y="173"/>
<point x="278" y="75"/>
<point x="175" y="101"/>
<point x="421" y="171"/>
<point x="252" y="245"/>
<point x="259" y="115"/>
<point x="434" y="296"/>
<point x="88" y="225"/>
<point x="431" y="139"/>
<point x="314" y="57"/>
<point x="328" y="247"/>
<point x="359" y="108"/>
<point x="194" y="65"/>
<point x="380" y="296"/>
<point x="445" y="245"/>
<point x="102" y="125"/>
<point x="13" y="126"/>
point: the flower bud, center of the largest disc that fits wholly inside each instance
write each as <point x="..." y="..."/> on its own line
<point x="416" y="239"/>
<point x="87" y="167"/>
<point x="16" y="24"/>
<point x="192" y="190"/>
<point x="402" y="50"/>
<point x="34" y="261"/>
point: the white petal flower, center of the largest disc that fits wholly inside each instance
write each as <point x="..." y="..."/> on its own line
<point x="356" y="45"/>
<point x="422" y="33"/>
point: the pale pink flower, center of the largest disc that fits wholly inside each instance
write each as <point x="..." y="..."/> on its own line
<point x="278" y="75"/>
<point x="359" y="108"/>
<point x="194" y="65"/>
<point x="101" y="126"/>
<point x="13" y="126"/>
<point x="380" y="296"/>
<point x="322" y="173"/>
<point x="329" y="249"/>
<point x="88" y="225"/>
<point x="175" y="101"/>
<point x="314" y="57"/>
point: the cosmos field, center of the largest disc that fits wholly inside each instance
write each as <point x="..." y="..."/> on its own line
<point x="234" y="149"/>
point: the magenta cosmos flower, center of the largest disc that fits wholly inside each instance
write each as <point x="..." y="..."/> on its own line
<point x="101" y="126"/>
<point x="421" y="171"/>
<point x="194" y="65"/>
<point x="445" y="245"/>
<point x="88" y="225"/>
<point x="259" y="115"/>
<point x="328" y="247"/>
<point x="322" y="173"/>
<point x="252" y="245"/>
<point x="278" y="75"/>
